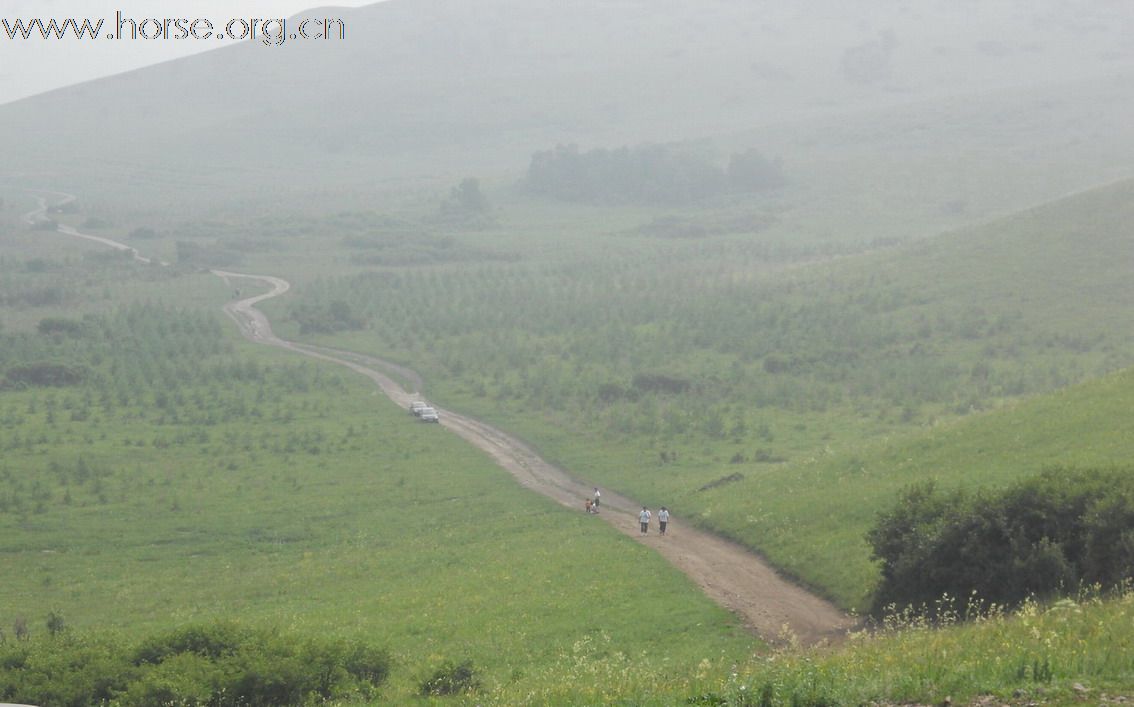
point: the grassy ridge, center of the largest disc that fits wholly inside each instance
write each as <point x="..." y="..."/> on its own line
<point x="812" y="511"/>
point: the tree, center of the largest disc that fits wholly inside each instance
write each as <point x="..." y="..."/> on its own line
<point x="466" y="197"/>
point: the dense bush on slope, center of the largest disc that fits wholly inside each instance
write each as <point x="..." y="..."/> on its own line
<point x="1043" y="536"/>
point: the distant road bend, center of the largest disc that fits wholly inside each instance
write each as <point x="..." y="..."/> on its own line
<point x="731" y="575"/>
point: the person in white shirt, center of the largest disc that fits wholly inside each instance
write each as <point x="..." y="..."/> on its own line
<point x="663" y="518"/>
<point x="644" y="519"/>
<point x="597" y="495"/>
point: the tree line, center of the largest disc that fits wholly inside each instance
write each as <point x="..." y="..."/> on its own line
<point x="648" y="174"/>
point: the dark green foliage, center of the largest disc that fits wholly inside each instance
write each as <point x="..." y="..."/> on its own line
<point x="143" y="232"/>
<point x="450" y="679"/>
<point x="72" y="671"/>
<point x="206" y="255"/>
<point x="466" y="197"/>
<point x="1044" y="536"/>
<point x="467" y="208"/>
<point x="38" y="295"/>
<point x="44" y="375"/>
<point x="651" y="174"/>
<point x="731" y="478"/>
<point x="60" y="325"/>
<point x="336" y="315"/>
<point x="660" y="383"/>
<point x="213" y="641"/>
<point x="55" y="623"/>
<point x="218" y="664"/>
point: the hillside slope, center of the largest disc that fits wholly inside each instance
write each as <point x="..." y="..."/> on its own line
<point x="822" y="508"/>
<point x="426" y="87"/>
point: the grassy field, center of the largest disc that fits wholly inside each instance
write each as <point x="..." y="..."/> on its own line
<point x="711" y="374"/>
<point x="714" y="375"/>
<point x="1067" y="653"/>
<point x="779" y="393"/>
<point x="191" y="477"/>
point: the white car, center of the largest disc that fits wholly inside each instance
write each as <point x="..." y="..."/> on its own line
<point x="417" y="406"/>
<point x="428" y="414"/>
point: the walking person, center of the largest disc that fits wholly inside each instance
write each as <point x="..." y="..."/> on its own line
<point x="644" y="519"/>
<point x="663" y="518"/>
<point x="597" y="496"/>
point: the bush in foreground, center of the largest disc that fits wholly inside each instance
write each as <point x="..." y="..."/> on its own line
<point x="1045" y="536"/>
<point x="450" y="679"/>
<point x="216" y="664"/>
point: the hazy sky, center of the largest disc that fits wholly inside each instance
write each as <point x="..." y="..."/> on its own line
<point x="33" y="66"/>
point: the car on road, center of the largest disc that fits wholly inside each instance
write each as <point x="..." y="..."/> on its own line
<point x="428" y="414"/>
<point x="417" y="406"/>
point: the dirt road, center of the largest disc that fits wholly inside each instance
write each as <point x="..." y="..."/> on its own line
<point x="734" y="577"/>
<point x="729" y="574"/>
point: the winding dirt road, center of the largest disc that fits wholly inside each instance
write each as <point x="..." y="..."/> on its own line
<point x="740" y="581"/>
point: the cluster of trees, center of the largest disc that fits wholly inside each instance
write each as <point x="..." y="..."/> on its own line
<point x="650" y="174"/>
<point x="135" y="397"/>
<point x="671" y="343"/>
<point x="1048" y="535"/>
<point x="206" y="255"/>
<point x="325" y="318"/>
<point x="217" y="665"/>
<point x="43" y="374"/>
<point x="148" y="360"/>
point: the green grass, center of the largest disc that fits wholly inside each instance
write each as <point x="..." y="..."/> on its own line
<point x="811" y="517"/>
<point x="852" y="378"/>
<point x="1059" y="654"/>
<point x="1040" y="654"/>
<point x="239" y="483"/>
<point x="777" y="361"/>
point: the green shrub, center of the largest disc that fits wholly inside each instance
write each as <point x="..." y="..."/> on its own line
<point x="450" y="679"/>
<point x="1047" y="535"/>
<point x="215" y="664"/>
<point x="211" y="641"/>
<point x="66" y="670"/>
<point x="60" y="325"/>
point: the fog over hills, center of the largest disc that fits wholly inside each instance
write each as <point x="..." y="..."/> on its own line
<point x="431" y="88"/>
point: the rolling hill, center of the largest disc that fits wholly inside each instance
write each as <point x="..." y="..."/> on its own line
<point x="424" y="89"/>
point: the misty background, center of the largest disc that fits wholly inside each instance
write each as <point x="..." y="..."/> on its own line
<point x="422" y="90"/>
